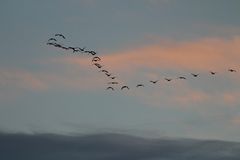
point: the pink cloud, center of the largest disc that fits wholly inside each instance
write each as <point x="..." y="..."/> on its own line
<point x="200" y="55"/>
<point x="17" y="78"/>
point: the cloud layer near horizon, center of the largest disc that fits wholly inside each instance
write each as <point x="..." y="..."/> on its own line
<point x="112" y="147"/>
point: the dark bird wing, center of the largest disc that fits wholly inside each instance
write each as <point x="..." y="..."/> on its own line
<point x="60" y="35"/>
<point x="124" y="87"/>
<point x="52" y="39"/>
<point x="140" y="85"/>
<point x="181" y="77"/>
<point x="110" y="88"/>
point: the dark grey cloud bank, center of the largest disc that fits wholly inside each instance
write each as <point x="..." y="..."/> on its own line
<point x="112" y="147"/>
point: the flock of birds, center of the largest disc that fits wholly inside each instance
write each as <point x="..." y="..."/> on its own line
<point x="96" y="61"/>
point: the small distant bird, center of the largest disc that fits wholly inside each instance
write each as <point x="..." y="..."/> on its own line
<point x="91" y="52"/>
<point x="140" y="85"/>
<point x="95" y="59"/>
<point x="168" y="79"/>
<point x="181" y="77"/>
<point x="213" y="73"/>
<point x="232" y="70"/>
<point x="60" y="35"/>
<point x="194" y="75"/>
<point x="112" y="82"/>
<point x="51" y="43"/>
<point x="103" y="70"/>
<point x="98" y="65"/>
<point x="125" y="87"/>
<point x="73" y="49"/>
<point x="113" y="77"/>
<point x="52" y="39"/>
<point x="110" y="88"/>
<point x="108" y="74"/>
<point x="154" y="82"/>
<point x="58" y="45"/>
<point x="66" y="48"/>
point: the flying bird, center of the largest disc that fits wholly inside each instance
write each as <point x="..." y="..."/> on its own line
<point x="125" y="87"/>
<point x="181" y="77"/>
<point x="213" y="73"/>
<point x="73" y="49"/>
<point x="194" y="75"/>
<point x="232" y="70"/>
<point x="140" y="85"/>
<point x="60" y="35"/>
<point x="104" y="71"/>
<point x="113" y="77"/>
<point x="91" y="52"/>
<point x="168" y="79"/>
<point x="95" y="59"/>
<point x="112" y="82"/>
<point x="52" y="39"/>
<point x="154" y="82"/>
<point x="51" y="43"/>
<point x="98" y="65"/>
<point x="110" y="88"/>
<point x="108" y="74"/>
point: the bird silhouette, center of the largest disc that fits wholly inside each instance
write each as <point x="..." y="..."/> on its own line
<point x="51" y="43"/>
<point x="104" y="71"/>
<point x="123" y="87"/>
<point x="95" y="59"/>
<point x="91" y="52"/>
<point x="52" y="39"/>
<point x="60" y="35"/>
<point x="140" y="85"/>
<point x="98" y="65"/>
<point x="113" y="77"/>
<point x="112" y="82"/>
<point x="181" y="77"/>
<point x="154" y="82"/>
<point x="73" y="49"/>
<point x="232" y="70"/>
<point x="194" y="75"/>
<point x="168" y="79"/>
<point x="110" y="88"/>
<point x="213" y="73"/>
<point x="108" y="74"/>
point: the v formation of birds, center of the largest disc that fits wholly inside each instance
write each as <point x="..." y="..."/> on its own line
<point x="96" y="61"/>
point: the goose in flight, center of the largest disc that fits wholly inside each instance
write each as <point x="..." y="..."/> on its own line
<point x="112" y="82"/>
<point x="98" y="65"/>
<point x="52" y="39"/>
<point x="168" y="79"/>
<point x="154" y="82"/>
<point x="110" y="88"/>
<point x="73" y="49"/>
<point x="232" y="70"/>
<point x="194" y="75"/>
<point x="181" y="77"/>
<point x="108" y="74"/>
<point x="51" y="43"/>
<point x="91" y="52"/>
<point x="213" y="73"/>
<point x="104" y="71"/>
<point x="125" y="87"/>
<point x="95" y="59"/>
<point x="113" y="77"/>
<point x="60" y="35"/>
<point x="140" y="85"/>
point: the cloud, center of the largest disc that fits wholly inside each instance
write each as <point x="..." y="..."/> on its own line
<point x="17" y="78"/>
<point x="199" y="55"/>
<point x="112" y="146"/>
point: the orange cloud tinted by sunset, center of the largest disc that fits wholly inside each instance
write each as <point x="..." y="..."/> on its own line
<point x="200" y="55"/>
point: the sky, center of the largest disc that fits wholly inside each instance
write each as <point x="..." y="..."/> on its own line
<point x="44" y="89"/>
